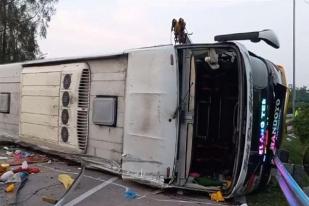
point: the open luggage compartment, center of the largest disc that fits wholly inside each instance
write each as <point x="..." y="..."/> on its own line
<point x="212" y="150"/>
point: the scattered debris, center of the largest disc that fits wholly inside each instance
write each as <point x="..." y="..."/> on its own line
<point x="66" y="180"/>
<point x="16" y="164"/>
<point x="5" y="176"/>
<point x="30" y="170"/>
<point x="5" y="166"/>
<point x="130" y="195"/>
<point x="17" y="156"/>
<point x="50" y="200"/>
<point x="17" y="177"/>
<point x="206" y="181"/>
<point x="217" y="196"/>
<point x="24" y="165"/>
<point x="14" y="178"/>
<point x="10" y="187"/>
<point x="33" y="158"/>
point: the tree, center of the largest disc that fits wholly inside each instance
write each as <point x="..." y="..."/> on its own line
<point x="302" y="95"/>
<point x="301" y="122"/>
<point x="302" y="98"/>
<point x="22" y="22"/>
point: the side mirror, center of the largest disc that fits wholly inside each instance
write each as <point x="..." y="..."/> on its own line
<point x="268" y="36"/>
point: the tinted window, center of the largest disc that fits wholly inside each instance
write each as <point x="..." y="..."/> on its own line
<point x="259" y="73"/>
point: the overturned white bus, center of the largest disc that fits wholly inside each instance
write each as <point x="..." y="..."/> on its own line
<point x="168" y="116"/>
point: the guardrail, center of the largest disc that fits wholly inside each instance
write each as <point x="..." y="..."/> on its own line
<point x="291" y="190"/>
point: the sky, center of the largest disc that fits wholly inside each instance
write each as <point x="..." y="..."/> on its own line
<point x="95" y="27"/>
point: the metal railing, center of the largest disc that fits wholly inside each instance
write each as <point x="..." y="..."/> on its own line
<point x="291" y="190"/>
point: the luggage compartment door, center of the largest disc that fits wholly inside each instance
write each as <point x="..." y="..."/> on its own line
<point x="150" y="132"/>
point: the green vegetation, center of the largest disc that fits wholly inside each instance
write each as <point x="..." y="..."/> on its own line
<point x="301" y="122"/>
<point x="296" y="149"/>
<point x="21" y="23"/>
<point x="302" y="97"/>
<point x="270" y="196"/>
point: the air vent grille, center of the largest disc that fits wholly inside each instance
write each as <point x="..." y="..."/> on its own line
<point x="67" y="81"/>
<point x="82" y="113"/>
<point x="64" y="134"/>
<point x="65" y="116"/>
<point x="65" y="99"/>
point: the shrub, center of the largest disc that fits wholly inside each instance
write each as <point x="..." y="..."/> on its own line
<point x="301" y="123"/>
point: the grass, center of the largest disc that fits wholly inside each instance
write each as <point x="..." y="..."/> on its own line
<point x="269" y="196"/>
<point x="296" y="149"/>
<point x="272" y="195"/>
<point x="296" y="153"/>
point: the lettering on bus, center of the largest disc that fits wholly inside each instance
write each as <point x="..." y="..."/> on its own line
<point x="263" y="129"/>
<point x="275" y="126"/>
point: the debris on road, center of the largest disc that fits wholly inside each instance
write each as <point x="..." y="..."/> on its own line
<point x="6" y="175"/>
<point x="30" y="170"/>
<point x="43" y="178"/>
<point x="15" y="169"/>
<point x="66" y="180"/>
<point x="217" y="196"/>
<point x="10" y="187"/>
<point x="16" y="156"/>
<point x="50" y="200"/>
<point x="130" y="195"/>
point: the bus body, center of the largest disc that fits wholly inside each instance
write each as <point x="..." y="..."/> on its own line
<point x="167" y="116"/>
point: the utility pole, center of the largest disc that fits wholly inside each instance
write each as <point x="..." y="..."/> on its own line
<point x="294" y="87"/>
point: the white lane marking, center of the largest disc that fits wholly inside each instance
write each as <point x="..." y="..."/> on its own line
<point x="145" y="196"/>
<point x="189" y="202"/>
<point x="91" y="192"/>
<point x="87" y="176"/>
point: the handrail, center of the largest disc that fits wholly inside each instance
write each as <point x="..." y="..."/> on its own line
<point x="291" y="190"/>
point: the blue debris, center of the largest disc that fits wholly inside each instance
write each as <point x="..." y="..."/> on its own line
<point x="130" y="195"/>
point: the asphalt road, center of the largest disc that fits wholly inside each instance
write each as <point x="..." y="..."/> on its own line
<point x="99" y="188"/>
